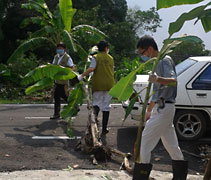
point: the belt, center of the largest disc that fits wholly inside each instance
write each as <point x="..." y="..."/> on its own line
<point x="170" y="102"/>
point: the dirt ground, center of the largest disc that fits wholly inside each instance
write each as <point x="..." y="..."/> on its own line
<point x="18" y="151"/>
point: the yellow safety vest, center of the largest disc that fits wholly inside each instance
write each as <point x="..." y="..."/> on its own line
<point x="103" y="77"/>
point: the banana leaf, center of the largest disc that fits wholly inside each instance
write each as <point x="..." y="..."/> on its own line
<point x="194" y="13"/>
<point x="44" y="83"/>
<point x="51" y="71"/>
<point x="4" y="71"/>
<point x="124" y="87"/>
<point x="67" y="38"/>
<point x="45" y="31"/>
<point x="205" y="20"/>
<point x="75" y="98"/>
<point x="81" y="52"/>
<point x="170" y="3"/>
<point x="67" y="13"/>
<point x="130" y="107"/>
<point x="87" y="28"/>
<point x="40" y="6"/>
<point x="30" y="44"/>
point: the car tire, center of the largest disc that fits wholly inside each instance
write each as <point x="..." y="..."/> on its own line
<point x="189" y="125"/>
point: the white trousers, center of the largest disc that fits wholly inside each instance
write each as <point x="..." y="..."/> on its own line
<point x="102" y="100"/>
<point x="160" y="126"/>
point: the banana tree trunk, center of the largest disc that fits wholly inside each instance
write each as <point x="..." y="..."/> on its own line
<point x="92" y="142"/>
<point x="147" y="96"/>
<point x="207" y="175"/>
<point x="138" y="138"/>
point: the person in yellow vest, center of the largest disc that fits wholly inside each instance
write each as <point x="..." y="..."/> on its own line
<point x="102" y="66"/>
<point x="61" y="86"/>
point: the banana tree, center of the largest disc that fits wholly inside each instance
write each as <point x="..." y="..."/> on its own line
<point x="54" y="27"/>
<point x="44" y="76"/>
<point x="124" y="89"/>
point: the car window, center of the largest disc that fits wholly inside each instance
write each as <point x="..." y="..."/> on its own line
<point x="203" y="82"/>
<point x="184" y="65"/>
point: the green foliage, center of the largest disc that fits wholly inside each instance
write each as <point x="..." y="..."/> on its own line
<point x="74" y="100"/>
<point x="54" y="28"/>
<point x="143" y="20"/>
<point x="205" y="20"/>
<point x="28" y="45"/>
<point x="12" y="74"/>
<point x="131" y="104"/>
<point x="67" y="13"/>
<point x="1" y="19"/>
<point x="188" y="49"/>
<point x="197" y="12"/>
<point x="132" y="23"/>
<point x="167" y="3"/>
<point x="124" y="87"/>
<point x="4" y="71"/>
<point x="43" y="83"/>
<point x="49" y="71"/>
<point x="130" y="65"/>
<point x="125" y="68"/>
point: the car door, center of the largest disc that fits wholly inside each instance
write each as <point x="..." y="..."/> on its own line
<point x="199" y="88"/>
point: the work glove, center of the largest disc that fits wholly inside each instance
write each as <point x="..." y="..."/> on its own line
<point x="80" y="77"/>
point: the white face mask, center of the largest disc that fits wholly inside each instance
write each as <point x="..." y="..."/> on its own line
<point x="145" y="58"/>
<point x="60" y="51"/>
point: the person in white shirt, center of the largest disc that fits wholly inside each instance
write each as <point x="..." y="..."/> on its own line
<point x="61" y="86"/>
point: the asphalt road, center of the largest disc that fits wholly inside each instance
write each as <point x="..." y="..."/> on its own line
<point x="22" y="128"/>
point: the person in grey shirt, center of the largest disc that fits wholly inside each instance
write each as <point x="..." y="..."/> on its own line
<point x="159" y="115"/>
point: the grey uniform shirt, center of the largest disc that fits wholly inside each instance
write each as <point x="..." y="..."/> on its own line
<point x="93" y="63"/>
<point x="165" y="68"/>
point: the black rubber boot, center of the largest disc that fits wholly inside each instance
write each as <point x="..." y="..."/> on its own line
<point x="180" y="169"/>
<point x="96" y="110"/>
<point x="142" y="171"/>
<point x="105" y="122"/>
<point x="56" y="112"/>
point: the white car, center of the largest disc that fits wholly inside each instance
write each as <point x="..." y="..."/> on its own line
<point x="193" y="103"/>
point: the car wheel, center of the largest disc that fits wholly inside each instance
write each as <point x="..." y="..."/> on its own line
<point x="189" y="125"/>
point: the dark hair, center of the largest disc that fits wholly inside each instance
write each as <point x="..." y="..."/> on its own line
<point x="146" y="41"/>
<point x="61" y="44"/>
<point x="102" y="45"/>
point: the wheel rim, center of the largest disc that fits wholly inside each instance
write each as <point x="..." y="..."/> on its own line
<point x="189" y="125"/>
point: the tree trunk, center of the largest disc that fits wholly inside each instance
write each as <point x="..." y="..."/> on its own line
<point x="207" y="175"/>
<point x="91" y="142"/>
